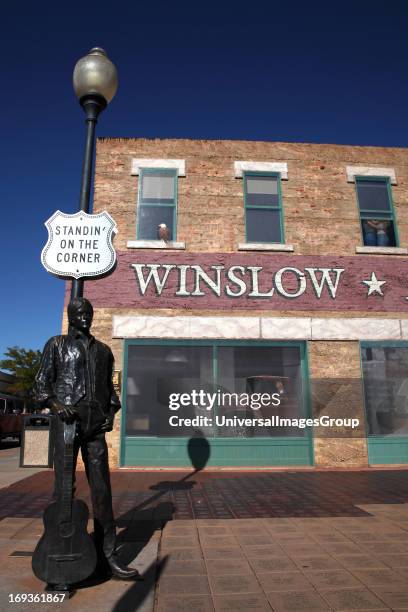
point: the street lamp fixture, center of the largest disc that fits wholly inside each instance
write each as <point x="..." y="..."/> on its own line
<point x="95" y="83"/>
<point x="95" y="76"/>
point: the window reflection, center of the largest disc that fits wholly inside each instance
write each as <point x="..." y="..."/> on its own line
<point x="153" y="374"/>
<point x="261" y="370"/>
<point x="237" y="375"/>
<point x="385" y="375"/>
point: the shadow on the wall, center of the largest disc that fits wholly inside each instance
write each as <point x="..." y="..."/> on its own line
<point x="199" y="450"/>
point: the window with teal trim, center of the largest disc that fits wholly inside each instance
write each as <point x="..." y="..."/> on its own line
<point x="376" y="211"/>
<point x="157" y="203"/>
<point x="213" y="388"/>
<point x="263" y="207"/>
<point x="385" y="377"/>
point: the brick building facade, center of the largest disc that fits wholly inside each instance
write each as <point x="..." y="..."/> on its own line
<point x="316" y="307"/>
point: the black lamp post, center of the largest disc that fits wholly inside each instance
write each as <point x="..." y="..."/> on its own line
<point x="95" y="82"/>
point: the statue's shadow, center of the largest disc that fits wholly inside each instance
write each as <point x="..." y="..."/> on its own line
<point x="139" y="539"/>
<point x="139" y="529"/>
<point x="141" y="522"/>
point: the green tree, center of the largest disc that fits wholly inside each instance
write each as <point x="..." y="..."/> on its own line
<point x="24" y="365"/>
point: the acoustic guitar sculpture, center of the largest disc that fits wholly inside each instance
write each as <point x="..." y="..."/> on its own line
<point x="65" y="553"/>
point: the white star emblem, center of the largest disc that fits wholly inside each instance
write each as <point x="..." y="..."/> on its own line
<point x="374" y="285"/>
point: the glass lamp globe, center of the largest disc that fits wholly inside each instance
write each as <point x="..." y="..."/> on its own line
<point x="95" y="74"/>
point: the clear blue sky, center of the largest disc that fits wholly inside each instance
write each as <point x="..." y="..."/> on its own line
<point x="330" y="72"/>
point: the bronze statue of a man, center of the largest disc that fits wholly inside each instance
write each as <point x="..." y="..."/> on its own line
<point x="75" y="382"/>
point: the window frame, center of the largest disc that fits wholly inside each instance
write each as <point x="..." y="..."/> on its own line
<point x="214" y="344"/>
<point x="154" y="171"/>
<point x="279" y="207"/>
<point x="383" y="449"/>
<point x="367" y="344"/>
<point x="392" y="217"/>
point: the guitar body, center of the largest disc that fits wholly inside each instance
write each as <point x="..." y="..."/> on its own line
<point x="65" y="554"/>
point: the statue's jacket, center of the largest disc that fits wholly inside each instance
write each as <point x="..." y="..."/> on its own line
<point x="78" y="373"/>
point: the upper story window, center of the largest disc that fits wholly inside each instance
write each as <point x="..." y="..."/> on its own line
<point x="263" y="207"/>
<point x="157" y="203"/>
<point x="376" y="211"/>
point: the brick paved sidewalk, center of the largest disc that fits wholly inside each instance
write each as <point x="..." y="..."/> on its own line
<point x="241" y="541"/>
<point x="286" y="564"/>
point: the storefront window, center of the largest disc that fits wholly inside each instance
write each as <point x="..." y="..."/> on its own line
<point x="154" y="373"/>
<point x="385" y="376"/>
<point x="260" y="372"/>
<point x="242" y="381"/>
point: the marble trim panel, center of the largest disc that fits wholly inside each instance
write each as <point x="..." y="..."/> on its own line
<point x="225" y="327"/>
<point x="178" y="164"/>
<point x="286" y="328"/>
<point x="124" y="326"/>
<point x="255" y="328"/>
<point x="375" y="250"/>
<point x="155" y="244"/>
<point x="356" y="329"/>
<point x="260" y="166"/>
<point x="265" y="246"/>
<point x="353" y="171"/>
<point x="404" y="329"/>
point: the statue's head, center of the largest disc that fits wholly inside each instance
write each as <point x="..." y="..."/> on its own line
<point x="80" y="314"/>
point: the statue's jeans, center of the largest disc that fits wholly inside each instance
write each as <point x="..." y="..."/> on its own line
<point x="95" y="457"/>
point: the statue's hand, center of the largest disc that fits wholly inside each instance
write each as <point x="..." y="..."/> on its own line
<point x="107" y="425"/>
<point x="67" y="414"/>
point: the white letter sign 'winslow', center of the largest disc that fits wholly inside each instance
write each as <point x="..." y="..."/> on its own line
<point x="79" y="244"/>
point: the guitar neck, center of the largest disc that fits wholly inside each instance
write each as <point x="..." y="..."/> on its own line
<point x="68" y="472"/>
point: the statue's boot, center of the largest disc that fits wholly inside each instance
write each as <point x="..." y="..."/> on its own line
<point x="123" y="572"/>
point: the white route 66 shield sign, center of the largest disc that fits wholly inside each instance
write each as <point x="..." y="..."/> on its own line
<point x="79" y="245"/>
